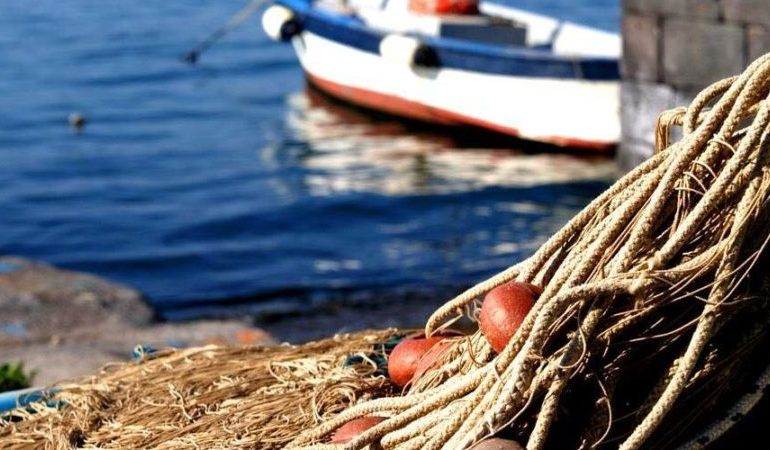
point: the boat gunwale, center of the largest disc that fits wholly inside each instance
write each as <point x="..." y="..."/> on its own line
<point x="459" y="54"/>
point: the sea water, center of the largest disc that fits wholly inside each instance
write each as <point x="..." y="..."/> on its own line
<point x="229" y="188"/>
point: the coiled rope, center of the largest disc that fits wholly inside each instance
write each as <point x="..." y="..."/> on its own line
<point x="667" y="259"/>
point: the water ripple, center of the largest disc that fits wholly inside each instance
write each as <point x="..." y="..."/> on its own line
<point x="229" y="187"/>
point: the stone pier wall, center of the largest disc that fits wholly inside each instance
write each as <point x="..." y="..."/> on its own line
<point x="674" y="48"/>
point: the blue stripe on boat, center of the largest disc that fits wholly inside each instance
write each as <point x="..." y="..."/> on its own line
<point x="455" y="53"/>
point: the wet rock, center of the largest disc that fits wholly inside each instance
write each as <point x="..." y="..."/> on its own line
<point x="64" y="324"/>
<point x="44" y="301"/>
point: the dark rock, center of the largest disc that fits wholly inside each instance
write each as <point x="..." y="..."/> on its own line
<point x="77" y="121"/>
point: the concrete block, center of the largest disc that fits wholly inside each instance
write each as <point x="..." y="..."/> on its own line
<point x="759" y="41"/>
<point x="698" y="53"/>
<point x="642" y="104"/>
<point x="641" y="6"/>
<point x="641" y="36"/>
<point x="632" y="153"/>
<point x="749" y="11"/>
<point x="704" y="9"/>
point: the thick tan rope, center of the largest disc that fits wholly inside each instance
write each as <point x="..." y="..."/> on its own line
<point x="645" y="294"/>
<point x="673" y="232"/>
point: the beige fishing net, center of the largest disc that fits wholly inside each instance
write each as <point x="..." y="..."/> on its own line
<point x="649" y="333"/>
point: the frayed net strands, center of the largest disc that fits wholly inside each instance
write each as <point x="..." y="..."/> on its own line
<point x="206" y="398"/>
<point x="655" y="296"/>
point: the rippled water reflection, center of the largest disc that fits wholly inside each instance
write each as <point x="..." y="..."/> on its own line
<point x="404" y="208"/>
<point x="229" y="187"/>
<point x="352" y="152"/>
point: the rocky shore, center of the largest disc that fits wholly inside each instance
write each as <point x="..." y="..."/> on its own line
<point x="63" y="324"/>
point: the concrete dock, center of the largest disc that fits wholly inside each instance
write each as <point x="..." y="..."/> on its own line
<point x="674" y="48"/>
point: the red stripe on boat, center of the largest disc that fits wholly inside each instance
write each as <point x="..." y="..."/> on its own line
<point x="414" y="110"/>
<point x="388" y="103"/>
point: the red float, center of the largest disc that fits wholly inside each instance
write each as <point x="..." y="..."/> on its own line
<point x="430" y="359"/>
<point x="504" y="309"/>
<point x="403" y="360"/>
<point x="350" y="430"/>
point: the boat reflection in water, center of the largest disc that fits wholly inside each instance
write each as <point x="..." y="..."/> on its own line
<point x="353" y="150"/>
<point x="356" y="209"/>
<point x="399" y="217"/>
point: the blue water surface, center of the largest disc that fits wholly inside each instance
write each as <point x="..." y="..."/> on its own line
<point x="230" y="180"/>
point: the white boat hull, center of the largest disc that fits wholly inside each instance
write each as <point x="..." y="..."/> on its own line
<point x="561" y="111"/>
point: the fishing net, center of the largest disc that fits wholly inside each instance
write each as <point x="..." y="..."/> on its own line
<point x="653" y="311"/>
<point x="649" y="332"/>
<point x="207" y="398"/>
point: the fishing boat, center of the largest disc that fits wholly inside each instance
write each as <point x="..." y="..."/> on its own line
<point x="458" y="62"/>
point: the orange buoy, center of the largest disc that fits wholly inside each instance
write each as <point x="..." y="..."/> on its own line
<point x="454" y="7"/>
<point x="430" y="359"/>
<point x="350" y="430"/>
<point x="251" y="336"/>
<point x="403" y="360"/>
<point x="504" y="309"/>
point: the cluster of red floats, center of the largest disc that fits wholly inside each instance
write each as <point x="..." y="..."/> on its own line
<point x="502" y="313"/>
